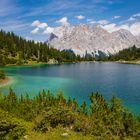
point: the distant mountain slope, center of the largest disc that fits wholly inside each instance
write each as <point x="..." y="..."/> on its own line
<point x="84" y="39"/>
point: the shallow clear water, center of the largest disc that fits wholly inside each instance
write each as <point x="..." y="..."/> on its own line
<point x="79" y="80"/>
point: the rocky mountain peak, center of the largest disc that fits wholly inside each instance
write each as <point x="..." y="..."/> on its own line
<point x="83" y="39"/>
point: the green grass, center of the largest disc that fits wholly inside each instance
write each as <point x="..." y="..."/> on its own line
<point x="57" y="134"/>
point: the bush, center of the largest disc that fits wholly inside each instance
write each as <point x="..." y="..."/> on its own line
<point x="84" y="125"/>
<point x="11" y="128"/>
<point x="45" y="112"/>
<point x="54" y="117"/>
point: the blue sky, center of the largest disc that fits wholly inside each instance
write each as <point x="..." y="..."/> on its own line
<point x="35" y="19"/>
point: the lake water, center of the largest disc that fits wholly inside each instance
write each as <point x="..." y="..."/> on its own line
<point x="79" y="80"/>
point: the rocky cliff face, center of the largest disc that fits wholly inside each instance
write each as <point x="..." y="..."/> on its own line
<point x="84" y="39"/>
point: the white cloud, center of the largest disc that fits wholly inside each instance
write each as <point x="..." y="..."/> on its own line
<point x="49" y="30"/>
<point x="35" y="23"/>
<point x="110" y="27"/>
<point x="38" y="24"/>
<point x="42" y="25"/>
<point x="131" y="19"/>
<point x="103" y="22"/>
<point x="116" y="17"/>
<point x="92" y="22"/>
<point x="89" y="19"/>
<point x="8" y="8"/>
<point x="63" y="21"/>
<point x="28" y="38"/>
<point x="16" y="26"/>
<point x="113" y="27"/>
<point x="124" y="26"/>
<point x="136" y="15"/>
<point x="80" y="17"/>
<point x="133" y="28"/>
<point x="35" y="31"/>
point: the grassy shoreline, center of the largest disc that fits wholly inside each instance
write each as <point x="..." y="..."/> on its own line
<point x="136" y="62"/>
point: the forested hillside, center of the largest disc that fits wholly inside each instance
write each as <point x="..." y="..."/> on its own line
<point x="132" y="53"/>
<point x="54" y="117"/>
<point x="16" y="50"/>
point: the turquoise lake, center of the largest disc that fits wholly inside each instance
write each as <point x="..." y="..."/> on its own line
<point x="79" y="80"/>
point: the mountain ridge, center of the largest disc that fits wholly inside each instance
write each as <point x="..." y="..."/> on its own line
<point x="84" y="39"/>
